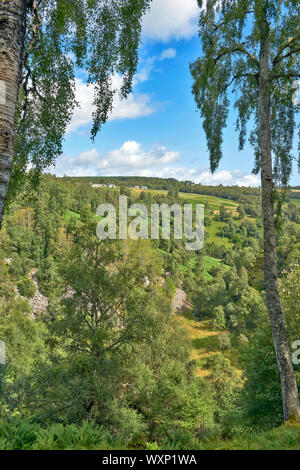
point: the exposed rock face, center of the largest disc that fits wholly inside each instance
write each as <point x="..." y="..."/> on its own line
<point x="39" y="302"/>
<point x="179" y="301"/>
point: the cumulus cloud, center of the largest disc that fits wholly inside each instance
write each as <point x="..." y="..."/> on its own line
<point x="137" y="105"/>
<point x="132" y="160"/>
<point x="168" y="53"/>
<point x="171" y="19"/>
<point x="205" y="177"/>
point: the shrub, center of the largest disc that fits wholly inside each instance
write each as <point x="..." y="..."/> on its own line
<point x="20" y="265"/>
<point x="27" y="287"/>
<point x="262" y="392"/>
<point x="218" y="322"/>
<point x="180" y="439"/>
<point x="243" y="340"/>
<point x="224" y="341"/>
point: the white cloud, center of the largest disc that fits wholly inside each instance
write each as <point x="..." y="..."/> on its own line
<point x="168" y="54"/>
<point x="148" y="66"/>
<point x="220" y="177"/>
<point x="132" y="160"/>
<point x="137" y="105"/>
<point x="171" y="19"/>
<point x="205" y="177"/>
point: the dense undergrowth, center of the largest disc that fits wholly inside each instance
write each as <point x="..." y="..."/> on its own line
<point x="20" y="434"/>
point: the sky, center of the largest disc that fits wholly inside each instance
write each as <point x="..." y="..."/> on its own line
<point x="156" y="131"/>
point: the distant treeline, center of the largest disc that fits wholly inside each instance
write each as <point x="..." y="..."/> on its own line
<point x="236" y="193"/>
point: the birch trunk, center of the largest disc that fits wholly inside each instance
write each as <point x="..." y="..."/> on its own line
<point x="12" y="33"/>
<point x="291" y="408"/>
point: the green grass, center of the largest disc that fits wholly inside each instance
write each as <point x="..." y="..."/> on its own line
<point x="209" y="263"/>
<point x="295" y="201"/>
<point x="211" y="234"/>
<point x="70" y="214"/>
<point x="211" y="202"/>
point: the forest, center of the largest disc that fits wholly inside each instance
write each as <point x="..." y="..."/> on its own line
<point x="139" y="343"/>
<point x="148" y="373"/>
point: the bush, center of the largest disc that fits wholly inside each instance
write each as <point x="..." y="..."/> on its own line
<point x="180" y="439"/>
<point x="170" y="286"/>
<point x="27" y="287"/>
<point x="262" y="400"/>
<point x="224" y="341"/>
<point x="243" y="340"/>
<point x="20" y="265"/>
<point x="218" y="322"/>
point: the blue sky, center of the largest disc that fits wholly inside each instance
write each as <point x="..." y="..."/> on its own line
<point x="157" y="131"/>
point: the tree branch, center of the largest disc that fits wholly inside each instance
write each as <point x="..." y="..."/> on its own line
<point x="293" y="51"/>
<point x="35" y="27"/>
<point x="237" y="48"/>
<point x="240" y="75"/>
<point x="284" y="46"/>
<point x="286" y="75"/>
<point x="217" y="26"/>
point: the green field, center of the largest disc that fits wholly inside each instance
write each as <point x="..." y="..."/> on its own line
<point x="209" y="263"/>
<point x="295" y="201"/>
<point x="211" y="202"/>
<point x="70" y="214"/>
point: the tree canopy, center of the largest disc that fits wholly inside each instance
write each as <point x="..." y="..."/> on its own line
<point x="229" y="32"/>
<point x="100" y="37"/>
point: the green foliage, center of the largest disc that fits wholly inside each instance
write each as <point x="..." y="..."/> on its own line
<point x="17" y="434"/>
<point x="230" y="34"/>
<point x="24" y="338"/>
<point x="286" y="437"/>
<point x="101" y="37"/>
<point x="106" y="365"/>
<point x="178" y="439"/>
<point x="219" y="320"/>
<point x="262" y="393"/>
<point x="226" y="386"/>
<point x="19" y="266"/>
<point x="48" y="276"/>
<point x="262" y="397"/>
<point x="27" y="287"/>
<point x="21" y="434"/>
<point x="224" y="341"/>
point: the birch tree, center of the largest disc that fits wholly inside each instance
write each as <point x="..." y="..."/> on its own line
<point x="252" y="48"/>
<point x="42" y="43"/>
